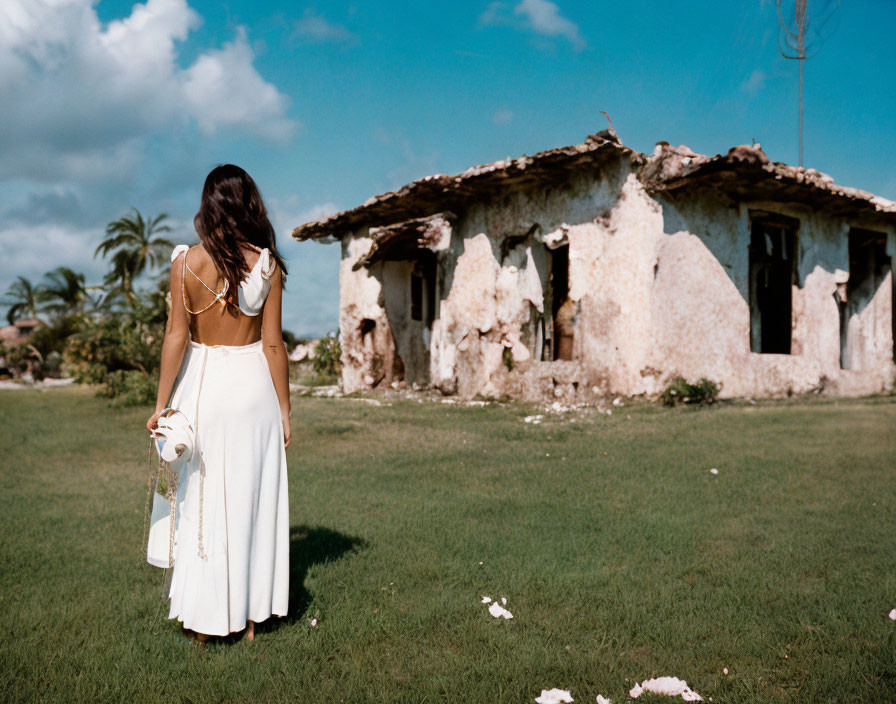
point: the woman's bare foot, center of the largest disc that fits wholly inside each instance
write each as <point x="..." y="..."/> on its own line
<point x="250" y="631"/>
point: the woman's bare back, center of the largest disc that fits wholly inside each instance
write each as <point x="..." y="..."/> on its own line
<point x="223" y="323"/>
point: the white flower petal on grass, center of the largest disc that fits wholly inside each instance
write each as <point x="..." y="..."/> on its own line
<point x="893" y="615"/>
<point x="713" y="471"/>
<point x="669" y="686"/>
<point x="553" y="696"/>
<point x="314" y="622"/>
<point x="499" y="611"/>
<point x="602" y="699"/>
<point x="486" y="599"/>
<point x="504" y="601"/>
<point x="724" y="670"/>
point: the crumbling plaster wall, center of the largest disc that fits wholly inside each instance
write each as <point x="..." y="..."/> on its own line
<point x="612" y="262"/>
<point x="368" y="346"/>
<point x="702" y="312"/>
<point x="381" y="343"/>
<point x="660" y="285"/>
<point x="493" y="280"/>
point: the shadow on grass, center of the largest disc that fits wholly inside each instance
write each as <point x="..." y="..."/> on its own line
<point x="308" y="546"/>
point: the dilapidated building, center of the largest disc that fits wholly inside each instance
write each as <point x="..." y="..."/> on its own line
<point x="594" y="269"/>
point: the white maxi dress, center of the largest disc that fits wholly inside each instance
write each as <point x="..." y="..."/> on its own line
<point x="235" y="565"/>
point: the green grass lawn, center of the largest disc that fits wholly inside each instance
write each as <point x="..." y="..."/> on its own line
<point x="621" y="556"/>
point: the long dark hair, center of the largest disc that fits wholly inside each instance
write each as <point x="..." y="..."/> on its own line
<point x="231" y="213"/>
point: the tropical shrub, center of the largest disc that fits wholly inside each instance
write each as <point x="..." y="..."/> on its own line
<point x="679" y="391"/>
<point x="19" y="360"/>
<point x="54" y="335"/>
<point x="129" y="388"/>
<point x="128" y="342"/>
<point x="328" y="356"/>
<point x="291" y="340"/>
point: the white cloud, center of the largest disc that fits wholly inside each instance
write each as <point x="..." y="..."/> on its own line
<point x="223" y="89"/>
<point x="754" y="83"/>
<point x="33" y="250"/>
<point x="315" y="28"/>
<point x="540" y="16"/>
<point x="82" y="96"/>
<point x="544" y="17"/>
<point x="493" y="15"/>
<point x="503" y="116"/>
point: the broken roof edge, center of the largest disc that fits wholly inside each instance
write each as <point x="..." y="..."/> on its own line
<point x="432" y="232"/>
<point x="427" y="195"/>
<point x="667" y="169"/>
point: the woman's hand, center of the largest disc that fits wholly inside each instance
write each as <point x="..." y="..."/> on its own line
<point x="151" y="423"/>
<point x="287" y="427"/>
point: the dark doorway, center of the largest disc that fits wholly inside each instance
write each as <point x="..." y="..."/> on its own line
<point x="409" y="293"/>
<point x="562" y="306"/>
<point x="416" y="294"/>
<point x="869" y="265"/>
<point x="423" y="288"/>
<point x="773" y="272"/>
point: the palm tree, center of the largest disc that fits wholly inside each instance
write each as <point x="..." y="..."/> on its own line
<point x="23" y="299"/>
<point x="119" y="282"/>
<point x="133" y="247"/>
<point x="65" y="292"/>
<point x="98" y="301"/>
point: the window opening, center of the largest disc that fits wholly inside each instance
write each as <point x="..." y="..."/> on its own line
<point x="416" y="294"/>
<point x="773" y="268"/>
<point x="423" y="287"/>
<point x="868" y="267"/>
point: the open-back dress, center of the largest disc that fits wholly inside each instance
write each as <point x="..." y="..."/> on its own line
<point x="231" y="546"/>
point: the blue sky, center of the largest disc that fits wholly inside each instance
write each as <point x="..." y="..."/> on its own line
<point x="111" y="105"/>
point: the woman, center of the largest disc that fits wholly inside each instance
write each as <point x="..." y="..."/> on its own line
<point x="224" y="366"/>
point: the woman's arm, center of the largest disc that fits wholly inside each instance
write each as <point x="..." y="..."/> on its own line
<point x="275" y="350"/>
<point x="177" y="334"/>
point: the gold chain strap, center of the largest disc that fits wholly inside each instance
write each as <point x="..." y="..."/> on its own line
<point x="171" y="481"/>
<point x="183" y="291"/>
